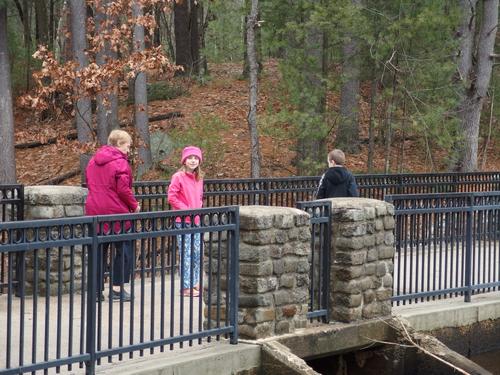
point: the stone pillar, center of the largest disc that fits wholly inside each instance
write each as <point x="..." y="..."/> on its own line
<point x="50" y="202"/>
<point x="274" y="271"/>
<point x="362" y="259"/>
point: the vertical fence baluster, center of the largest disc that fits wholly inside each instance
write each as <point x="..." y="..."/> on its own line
<point x="91" y="297"/>
<point x="233" y="256"/>
<point x="468" y="256"/>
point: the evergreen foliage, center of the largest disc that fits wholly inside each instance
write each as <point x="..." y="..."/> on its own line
<point x="406" y="49"/>
<point x="204" y="132"/>
<point x="409" y="47"/>
<point x="224" y="38"/>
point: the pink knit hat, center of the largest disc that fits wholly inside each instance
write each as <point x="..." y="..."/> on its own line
<point x="191" y="150"/>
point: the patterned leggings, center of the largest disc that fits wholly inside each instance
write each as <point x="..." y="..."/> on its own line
<point x="189" y="259"/>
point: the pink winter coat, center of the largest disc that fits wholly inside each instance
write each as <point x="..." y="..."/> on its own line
<point x="185" y="192"/>
<point x="109" y="180"/>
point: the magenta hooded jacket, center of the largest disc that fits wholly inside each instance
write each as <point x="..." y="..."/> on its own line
<point x="109" y="180"/>
<point x="185" y="192"/>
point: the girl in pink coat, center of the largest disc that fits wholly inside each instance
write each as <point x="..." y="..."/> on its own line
<point x="185" y="192"/>
<point x="109" y="181"/>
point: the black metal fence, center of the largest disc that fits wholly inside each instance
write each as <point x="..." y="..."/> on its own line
<point x="11" y="203"/>
<point x="446" y="245"/>
<point x="11" y="209"/>
<point x="62" y="319"/>
<point x="287" y="191"/>
<point x="378" y="186"/>
<point x="319" y="274"/>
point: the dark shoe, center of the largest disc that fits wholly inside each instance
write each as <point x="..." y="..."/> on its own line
<point x="125" y="296"/>
<point x="99" y="297"/>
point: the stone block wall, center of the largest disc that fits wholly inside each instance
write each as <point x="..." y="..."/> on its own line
<point x="362" y="253"/>
<point x="50" y="202"/>
<point x="274" y="271"/>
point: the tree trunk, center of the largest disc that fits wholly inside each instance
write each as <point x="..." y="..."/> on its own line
<point x="187" y="38"/>
<point x="371" y="126"/>
<point x="157" y="31"/>
<point x="52" y="24"/>
<point x="388" y="125"/>
<point x="42" y="22"/>
<point x="7" y="151"/>
<point x="466" y="31"/>
<point x="311" y="142"/>
<point x="101" y="98"/>
<point x="62" y="42"/>
<point x="203" y="22"/>
<point x="246" y="66"/>
<point x="251" y="25"/>
<point x="141" y="100"/>
<point x="477" y="78"/>
<point x="168" y="18"/>
<point x="107" y="100"/>
<point x="348" y="131"/>
<point x="195" y="37"/>
<point x="83" y="110"/>
<point x="182" y="36"/>
<point x="26" y="19"/>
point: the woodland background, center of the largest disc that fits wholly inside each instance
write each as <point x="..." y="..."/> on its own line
<point x="266" y="87"/>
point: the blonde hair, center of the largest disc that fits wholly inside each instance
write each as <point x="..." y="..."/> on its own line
<point x="337" y="156"/>
<point x="118" y="137"/>
<point x="197" y="172"/>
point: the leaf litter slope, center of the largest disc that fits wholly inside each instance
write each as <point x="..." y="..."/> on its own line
<point x="224" y="97"/>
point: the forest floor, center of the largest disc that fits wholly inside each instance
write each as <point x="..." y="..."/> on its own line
<point x="224" y="97"/>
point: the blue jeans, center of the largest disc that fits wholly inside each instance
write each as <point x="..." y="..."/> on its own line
<point x="190" y="257"/>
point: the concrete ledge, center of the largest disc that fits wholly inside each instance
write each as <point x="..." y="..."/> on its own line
<point x="336" y="338"/>
<point x="453" y="312"/>
<point x="217" y="359"/>
<point x="277" y="359"/>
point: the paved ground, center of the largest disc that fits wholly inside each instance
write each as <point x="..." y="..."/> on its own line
<point x="438" y="267"/>
<point x="142" y="321"/>
<point x="149" y="318"/>
<point x="451" y="312"/>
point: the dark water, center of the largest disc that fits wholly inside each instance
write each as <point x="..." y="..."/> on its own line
<point x="489" y="361"/>
<point x="385" y="363"/>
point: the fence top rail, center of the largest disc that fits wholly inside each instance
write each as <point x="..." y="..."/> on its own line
<point x="319" y="210"/>
<point x="34" y="234"/>
<point x="11" y="193"/>
<point x="11" y="186"/>
<point x="449" y="202"/>
<point x="45" y="223"/>
<point x="47" y="233"/>
<point x="387" y="178"/>
<point x="430" y="196"/>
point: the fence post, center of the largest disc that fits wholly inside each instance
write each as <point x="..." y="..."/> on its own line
<point x="20" y="256"/>
<point x="234" y="285"/>
<point x="267" y="192"/>
<point x="400" y="185"/>
<point x="468" y="251"/>
<point x="327" y="261"/>
<point x="91" y="299"/>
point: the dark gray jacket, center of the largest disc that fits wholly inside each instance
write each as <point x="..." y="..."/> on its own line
<point x="337" y="182"/>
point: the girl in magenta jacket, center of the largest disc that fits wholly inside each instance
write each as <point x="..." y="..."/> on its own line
<point x="109" y="181"/>
<point x="185" y="192"/>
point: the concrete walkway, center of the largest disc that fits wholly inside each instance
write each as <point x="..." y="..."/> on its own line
<point x="437" y="267"/>
<point x="450" y="312"/>
<point x="221" y="358"/>
<point x="141" y="321"/>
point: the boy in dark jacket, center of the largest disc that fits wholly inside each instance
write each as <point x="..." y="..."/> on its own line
<point x="337" y="181"/>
